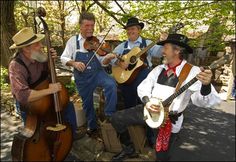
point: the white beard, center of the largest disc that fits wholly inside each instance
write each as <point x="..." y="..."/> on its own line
<point x="39" y="56"/>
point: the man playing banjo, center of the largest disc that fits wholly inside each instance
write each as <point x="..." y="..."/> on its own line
<point x="161" y="83"/>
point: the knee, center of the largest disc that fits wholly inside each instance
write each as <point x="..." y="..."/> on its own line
<point x="115" y="119"/>
<point x="111" y="85"/>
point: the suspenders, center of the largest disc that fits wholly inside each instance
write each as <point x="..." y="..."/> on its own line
<point x="18" y="60"/>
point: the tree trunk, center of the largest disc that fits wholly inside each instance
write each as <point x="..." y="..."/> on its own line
<point x="63" y="24"/>
<point x="8" y="29"/>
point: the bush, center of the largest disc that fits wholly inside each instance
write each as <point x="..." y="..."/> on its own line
<point x="4" y="79"/>
<point x="71" y="87"/>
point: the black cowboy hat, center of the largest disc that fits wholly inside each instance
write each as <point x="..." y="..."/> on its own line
<point x="132" y="22"/>
<point x="177" y="39"/>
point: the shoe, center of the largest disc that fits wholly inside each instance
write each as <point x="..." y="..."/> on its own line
<point x="91" y="132"/>
<point x="126" y="152"/>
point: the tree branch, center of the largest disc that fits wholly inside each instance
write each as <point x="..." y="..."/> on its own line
<point x="186" y="8"/>
<point x="90" y="6"/>
<point x="108" y="12"/>
<point x="76" y="2"/>
<point x="120" y="7"/>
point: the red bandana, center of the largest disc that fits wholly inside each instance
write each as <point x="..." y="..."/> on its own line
<point x="163" y="137"/>
<point x="171" y="70"/>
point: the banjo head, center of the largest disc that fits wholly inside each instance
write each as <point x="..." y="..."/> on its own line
<point x="154" y="120"/>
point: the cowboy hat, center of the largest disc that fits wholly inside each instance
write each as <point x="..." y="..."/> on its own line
<point x="177" y="39"/>
<point x="25" y="37"/>
<point x="132" y="22"/>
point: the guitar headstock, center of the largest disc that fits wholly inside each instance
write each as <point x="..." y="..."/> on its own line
<point x="176" y="28"/>
<point x="220" y="62"/>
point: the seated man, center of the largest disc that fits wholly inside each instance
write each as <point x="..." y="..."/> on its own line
<point x="29" y="68"/>
<point x="161" y="83"/>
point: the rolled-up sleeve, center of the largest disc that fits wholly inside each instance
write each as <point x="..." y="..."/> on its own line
<point x="18" y="79"/>
<point x="155" y="51"/>
<point x="69" y="51"/>
<point x="197" y="98"/>
<point x="146" y="86"/>
<point x="118" y="51"/>
<point x="100" y="59"/>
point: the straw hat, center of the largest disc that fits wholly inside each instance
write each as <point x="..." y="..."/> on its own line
<point x="25" y="37"/>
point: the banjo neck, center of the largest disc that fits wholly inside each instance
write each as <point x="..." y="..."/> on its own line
<point x="168" y="101"/>
<point x="214" y="65"/>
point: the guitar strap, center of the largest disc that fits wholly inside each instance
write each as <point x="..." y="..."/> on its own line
<point x="163" y="137"/>
<point x="183" y="75"/>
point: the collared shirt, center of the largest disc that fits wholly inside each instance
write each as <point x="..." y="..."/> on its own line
<point x="149" y="87"/>
<point x="155" y="51"/>
<point x="18" y="77"/>
<point x="70" y="50"/>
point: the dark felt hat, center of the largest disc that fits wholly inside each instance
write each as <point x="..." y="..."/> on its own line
<point x="177" y="39"/>
<point x="132" y="22"/>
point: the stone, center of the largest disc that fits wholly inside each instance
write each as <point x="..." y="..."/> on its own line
<point x="87" y="148"/>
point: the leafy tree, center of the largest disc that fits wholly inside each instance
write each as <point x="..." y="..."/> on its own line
<point x="158" y="16"/>
<point x="8" y="29"/>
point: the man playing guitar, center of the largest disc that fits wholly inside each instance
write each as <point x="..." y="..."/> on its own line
<point x="133" y="29"/>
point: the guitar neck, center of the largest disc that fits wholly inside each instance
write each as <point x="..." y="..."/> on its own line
<point x="180" y="91"/>
<point x="145" y="49"/>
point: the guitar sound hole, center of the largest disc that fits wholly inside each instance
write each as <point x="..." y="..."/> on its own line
<point x="133" y="59"/>
<point x="131" y="66"/>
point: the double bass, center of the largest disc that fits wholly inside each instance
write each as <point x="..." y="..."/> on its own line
<point x="45" y="136"/>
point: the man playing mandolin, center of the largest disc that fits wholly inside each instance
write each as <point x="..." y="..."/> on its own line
<point x="161" y="83"/>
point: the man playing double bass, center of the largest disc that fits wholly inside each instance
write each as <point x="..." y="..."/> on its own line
<point x="28" y="68"/>
<point x="161" y="83"/>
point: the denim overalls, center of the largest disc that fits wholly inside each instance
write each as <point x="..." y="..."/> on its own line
<point x="86" y="82"/>
<point x="129" y="91"/>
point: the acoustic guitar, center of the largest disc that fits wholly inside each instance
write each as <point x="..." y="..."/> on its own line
<point x="132" y="58"/>
<point x="135" y="64"/>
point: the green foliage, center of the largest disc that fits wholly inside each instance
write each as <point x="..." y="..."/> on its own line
<point x="71" y="87"/>
<point x="4" y="78"/>
<point x="158" y="16"/>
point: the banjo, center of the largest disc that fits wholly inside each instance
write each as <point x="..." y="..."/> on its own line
<point x="157" y="119"/>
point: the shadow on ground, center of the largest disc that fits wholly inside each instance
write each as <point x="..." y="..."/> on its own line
<point x="9" y="127"/>
<point x="207" y="135"/>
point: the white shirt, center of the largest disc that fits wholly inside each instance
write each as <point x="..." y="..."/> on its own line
<point x="70" y="50"/>
<point x="149" y="87"/>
